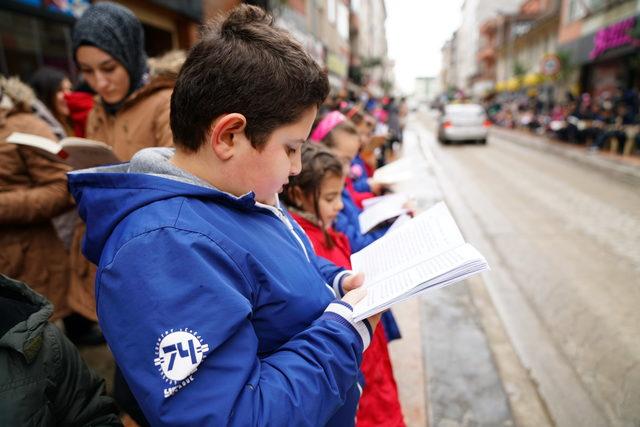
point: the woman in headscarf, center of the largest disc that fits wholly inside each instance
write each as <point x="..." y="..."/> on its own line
<point x="131" y="112"/>
<point x="131" y="109"/>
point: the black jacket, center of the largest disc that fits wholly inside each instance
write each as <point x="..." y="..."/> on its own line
<point x="43" y="380"/>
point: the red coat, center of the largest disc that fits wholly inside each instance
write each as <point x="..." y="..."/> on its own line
<point x="357" y="196"/>
<point x="379" y="404"/>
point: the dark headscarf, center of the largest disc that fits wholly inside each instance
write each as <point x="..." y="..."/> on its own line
<point x="116" y="30"/>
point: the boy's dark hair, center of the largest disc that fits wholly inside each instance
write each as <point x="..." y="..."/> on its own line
<point x="317" y="163"/>
<point x="243" y="64"/>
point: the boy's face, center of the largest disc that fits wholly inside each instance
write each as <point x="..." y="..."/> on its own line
<point x="266" y="171"/>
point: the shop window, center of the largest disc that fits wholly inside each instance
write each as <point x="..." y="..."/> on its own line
<point x="29" y="42"/>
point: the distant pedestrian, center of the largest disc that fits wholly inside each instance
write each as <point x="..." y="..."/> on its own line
<point x="50" y="86"/>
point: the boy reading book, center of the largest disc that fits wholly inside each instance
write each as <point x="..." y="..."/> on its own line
<point x="215" y="306"/>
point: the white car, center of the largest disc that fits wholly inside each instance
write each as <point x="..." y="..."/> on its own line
<point x="463" y="122"/>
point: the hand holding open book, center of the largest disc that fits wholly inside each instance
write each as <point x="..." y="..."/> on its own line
<point x="80" y="153"/>
<point x="426" y="252"/>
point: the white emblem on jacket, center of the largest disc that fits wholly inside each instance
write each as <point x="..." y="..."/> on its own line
<point x="178" y="355"/>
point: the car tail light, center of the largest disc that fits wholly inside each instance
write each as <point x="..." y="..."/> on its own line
<point x="487" y="123"/>
<point x="447" y="124"/>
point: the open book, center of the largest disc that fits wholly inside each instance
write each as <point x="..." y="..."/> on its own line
<point x="80" y="153"/>
<point x="381" y="209"/>
<point x="394" y="172"/>
<point x="426" y="252"/>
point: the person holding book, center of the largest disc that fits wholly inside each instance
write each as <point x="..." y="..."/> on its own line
<point x="33" y="190"/>
<point x="314" y="201"/>
<point x="215" y="306"/>
<point x="343" y="140"/>
<point x="130" y="112"/>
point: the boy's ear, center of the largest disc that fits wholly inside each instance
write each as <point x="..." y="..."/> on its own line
<point x="225" y="133"/>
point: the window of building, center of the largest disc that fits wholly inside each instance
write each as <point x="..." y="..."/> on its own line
<point x="342" y="21"/>
<point x="331" y="11"/>
<point x="29" y="42"/>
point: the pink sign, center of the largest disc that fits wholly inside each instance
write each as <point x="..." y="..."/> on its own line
<point x="615" y="35"/>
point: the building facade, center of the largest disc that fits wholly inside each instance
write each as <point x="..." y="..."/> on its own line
<point x="469" y="76"/>
<point x="601" y="42"/>
<point x="35" y="33"/>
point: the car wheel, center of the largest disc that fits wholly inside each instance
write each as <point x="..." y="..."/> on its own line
<point x="482" y="141"/>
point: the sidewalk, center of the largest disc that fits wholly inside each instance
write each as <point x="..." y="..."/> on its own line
<point x="624" y="167"/>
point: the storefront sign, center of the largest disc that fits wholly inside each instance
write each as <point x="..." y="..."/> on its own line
<point x="550" y="65"/>
<point x="616" y="35"/>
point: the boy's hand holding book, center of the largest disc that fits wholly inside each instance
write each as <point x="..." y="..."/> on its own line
<point x="352" y="285"/>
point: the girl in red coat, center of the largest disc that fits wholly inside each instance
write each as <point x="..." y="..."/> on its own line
<point x="314" y="200"/>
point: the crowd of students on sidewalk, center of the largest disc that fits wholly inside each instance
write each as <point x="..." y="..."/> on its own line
<point x="215" y="258"/>
<point x="610" y="120"/>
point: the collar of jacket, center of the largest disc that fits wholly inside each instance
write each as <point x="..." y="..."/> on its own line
<point x="25" y="337"/>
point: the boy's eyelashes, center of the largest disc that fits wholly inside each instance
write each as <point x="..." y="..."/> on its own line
<point x="291" y="150"/>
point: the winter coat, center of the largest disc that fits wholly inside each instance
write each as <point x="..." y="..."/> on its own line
<point x="33" y="190"/>
<point x="348" y="223"/>
<point x="340" y="252"/>
<point x="43" y="380"/>
<point x="143" y="121"/>
<point x="379" y="405"/>
<point x="216" y="308"/>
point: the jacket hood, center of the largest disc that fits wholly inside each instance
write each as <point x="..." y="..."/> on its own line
<point x="15" y="97"/>
<point x="106" y="195"/>
<point x="25" y="314"/>
<point x="167" y="65"/>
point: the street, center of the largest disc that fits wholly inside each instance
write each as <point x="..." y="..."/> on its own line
<point x="550" y="335"/>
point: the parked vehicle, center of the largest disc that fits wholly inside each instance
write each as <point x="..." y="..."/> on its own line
<point x="463" y="122"/>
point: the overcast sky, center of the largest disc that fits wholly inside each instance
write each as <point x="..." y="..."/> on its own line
<point x="416" y="30"/>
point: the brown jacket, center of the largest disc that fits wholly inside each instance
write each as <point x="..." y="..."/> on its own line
<point x="143" y="121"/>
<point x="33" y="190"/>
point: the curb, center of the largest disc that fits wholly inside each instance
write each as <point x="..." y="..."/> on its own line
<point x="612" y="166"/>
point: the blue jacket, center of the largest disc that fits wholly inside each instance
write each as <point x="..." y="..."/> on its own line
<point x="215" y="307"/>
<point x="360" y="183"/>
<point x="347" y="222"/>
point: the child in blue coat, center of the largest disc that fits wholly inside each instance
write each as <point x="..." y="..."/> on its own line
<point x="213" y="302"/>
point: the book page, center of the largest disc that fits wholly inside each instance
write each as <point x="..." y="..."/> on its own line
<point x="394" y="172"/>
<point x="86" y="153"/>
<point x="74" y="141"/>
<point x="431" y="233"/>
<point x="82" y="156"/>
<point x="367" y="203"/>
<point x="378" y="212"/>
<point x="402" y="219"/>
<point x="35" y="141"/>
<point x="447" y="268"/>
